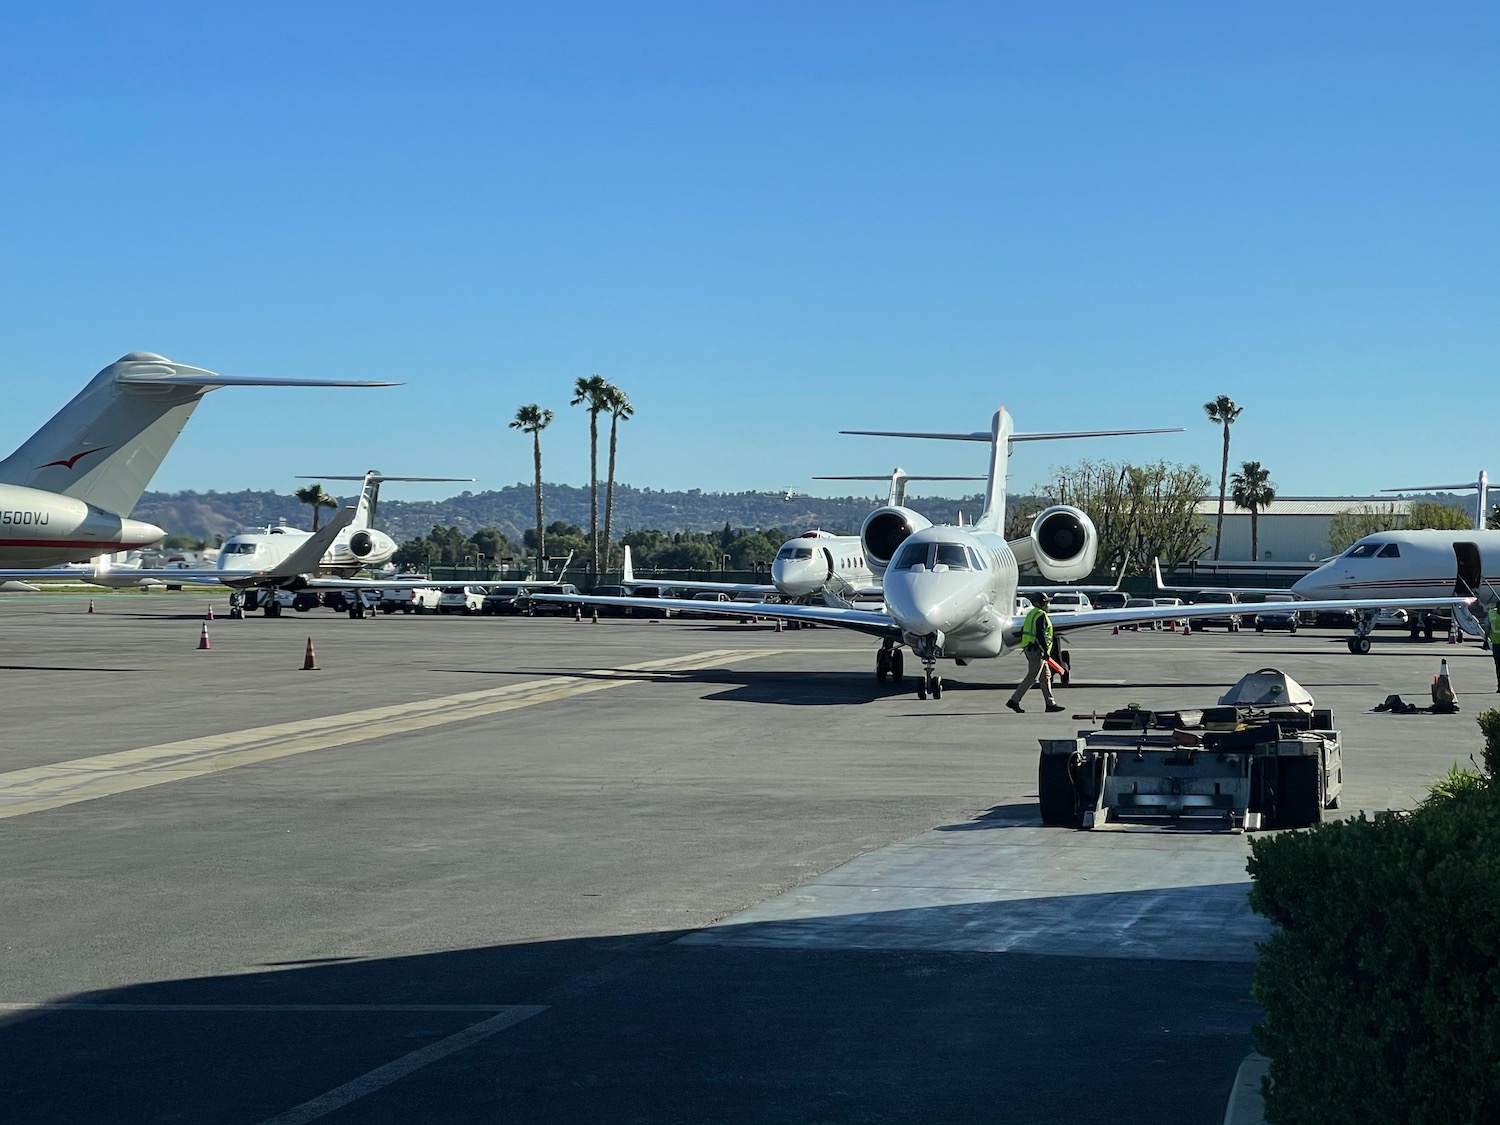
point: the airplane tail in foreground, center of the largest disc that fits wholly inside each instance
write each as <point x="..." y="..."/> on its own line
<point x="1000" y="435"/>
<point x="899" y="479"/>
<point x="104" y="446"/>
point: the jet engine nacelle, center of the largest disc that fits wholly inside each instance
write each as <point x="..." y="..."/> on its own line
<point x="1062" y="545"/>
<point x="884" y="530"/>
<point x="361" y="544"/>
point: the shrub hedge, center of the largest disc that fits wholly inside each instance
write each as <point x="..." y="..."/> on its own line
<point x="1381" y="985"/>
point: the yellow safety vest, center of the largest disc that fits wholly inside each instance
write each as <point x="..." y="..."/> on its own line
<point x="1494" y="624"/>
<point x="1029" y="635"/>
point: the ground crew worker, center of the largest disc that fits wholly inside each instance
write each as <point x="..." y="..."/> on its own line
<point x="1492" y="623"/>
<point x="1036" y="643"/>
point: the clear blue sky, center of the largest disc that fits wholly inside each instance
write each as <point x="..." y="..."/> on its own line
<point x="766" y="222"/>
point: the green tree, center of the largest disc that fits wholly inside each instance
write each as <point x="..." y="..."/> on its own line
<point x="1253" y="489"/>
<point x="532" y="419"/>
<point x="1141" y="512"/>
<point x="593" y="394"/>
<point x="1222" y="410"/>
<point x="620" y="410"/>
<point x="1350" y="526"/>
<point x="1433" y="514"/>
<point x="314" y="496"/>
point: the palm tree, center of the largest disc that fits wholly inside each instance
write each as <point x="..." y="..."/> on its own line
<point x="620" y="410"/>
<point x="1222" y="409"/>
<point x="593" y="394"/>
<point x="532" y="419"/>
<point x="314" y="495"/>
<point x="1253" y="489"/>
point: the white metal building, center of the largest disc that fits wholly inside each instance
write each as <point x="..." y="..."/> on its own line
<point x="1294" y="529"/>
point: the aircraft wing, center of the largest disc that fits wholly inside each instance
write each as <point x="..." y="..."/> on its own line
<point x="1085" y="619"/>
<point x="1165" y="589"/>
<point x="761" y="589"/>
<point x="860" y="620"/>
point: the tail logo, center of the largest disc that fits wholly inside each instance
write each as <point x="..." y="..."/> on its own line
<point x="69" y="462"/>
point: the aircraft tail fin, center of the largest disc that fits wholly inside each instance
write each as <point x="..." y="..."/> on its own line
<point x="627" y="575"/>
<point x="105" y="445"/>
<point x="1000" y="436"/>
<point x="899" y="479"/>
<point x="369" y="496"/>
<point x="307" y="558"/>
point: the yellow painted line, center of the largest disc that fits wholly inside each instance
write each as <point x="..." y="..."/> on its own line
<point x="85" y="779"/>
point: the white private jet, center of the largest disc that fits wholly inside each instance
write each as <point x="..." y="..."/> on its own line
<point x="813" y="563"/>
<point x="67" y="492"/>
<point x="1404" y="567"/>
<point x="308" y="563"/>
<point x="950" y="592"/>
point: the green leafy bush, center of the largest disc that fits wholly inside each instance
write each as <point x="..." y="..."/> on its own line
<point x="1381" y="985"/>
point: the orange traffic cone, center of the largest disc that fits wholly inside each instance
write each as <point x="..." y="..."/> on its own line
<point x="596" y="615"/>
<point x="203" y="638"/>
<point x="1453" y="631"/>
<point x="1187" y="628"/>
<point x="1115" y="632"/>
<point x="578" y="614"/>
<point x="778" y="624"/>
<point x="310" y="658"/>
<point x="209" y="616"/>
<point x="91" y="605"/>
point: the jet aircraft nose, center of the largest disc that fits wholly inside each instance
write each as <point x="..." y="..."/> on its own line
<point x="923" y="602"/>
<point x="797" y="577"/>
<point x="1316" y="586"/>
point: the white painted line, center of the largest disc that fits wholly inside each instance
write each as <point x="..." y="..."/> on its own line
<point x="391" y="1072"/>
<point x="70" y="1006"/>
<point x="103" y="775"/>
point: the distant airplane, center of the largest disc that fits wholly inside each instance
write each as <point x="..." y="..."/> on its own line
<point x="67" y="492"/>
<point x="261" y="559"/>
<point x="950" y="592"/>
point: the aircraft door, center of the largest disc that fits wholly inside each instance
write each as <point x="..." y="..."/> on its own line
<point x="1470" y="569"/>
<point x="828" y="558"/>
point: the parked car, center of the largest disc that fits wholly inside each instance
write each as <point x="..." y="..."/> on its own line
<point x="1068" y="601"/>
<point x="612" y="592"/>
<point x="1112" y="599"/>
<point x="1279" y="612"/>
<point x="410" y="599"/>
<point x="1392" y="619"/>
<point x="461" y="599"/>
<point x="1230" y="621"/>
<point x="652" y="592"/>
<point x="718" y="597"/>
<point x="1142" y="603"/>
<point x="1177" y="623"/>
<point x="1334" y="619"/>
<point x="535" y="608"/>
<point x="503" y="600"/>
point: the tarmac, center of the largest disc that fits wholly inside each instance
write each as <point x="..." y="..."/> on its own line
<point x="633" y="871"/>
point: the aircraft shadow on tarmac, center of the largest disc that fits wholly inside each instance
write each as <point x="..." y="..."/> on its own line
<point x="761" y="1022"/>
<point x="61" y="668"/>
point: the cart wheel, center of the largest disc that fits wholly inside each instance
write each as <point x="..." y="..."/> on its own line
<point x="1055" y="791"/>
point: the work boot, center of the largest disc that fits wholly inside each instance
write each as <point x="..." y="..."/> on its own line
<point x="1060" y="707"/>
<point x="1019" y="710"/>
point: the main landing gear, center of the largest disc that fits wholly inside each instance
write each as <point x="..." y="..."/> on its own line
<point x="889" y="662"/>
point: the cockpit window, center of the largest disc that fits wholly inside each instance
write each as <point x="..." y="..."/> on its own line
<point x="238" y="549"/>
<point x="1389" y="551"/>
<point x="789" y="553"/>
<point x="976" y="560"/>
<point x="911" y="555"/>
<point x="952" y="556"/>
<point x="1363" y="550"/>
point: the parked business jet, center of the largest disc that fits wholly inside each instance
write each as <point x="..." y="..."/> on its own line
<point x="950" y="591"/>
<point x="67" y="492"/>
<point x="811" y="564"/>
<point x="262" y="559"/>
<point x="1404" y="567"/>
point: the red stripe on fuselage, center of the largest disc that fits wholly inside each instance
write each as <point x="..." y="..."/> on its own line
<point x="88" y="544"/>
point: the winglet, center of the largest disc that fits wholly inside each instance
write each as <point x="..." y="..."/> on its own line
<point x="627" y="576"/>
<point x="1156" y="568"/>
<point x="308" y="557"/>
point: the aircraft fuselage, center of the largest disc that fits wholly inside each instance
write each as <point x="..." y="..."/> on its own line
<point x="40" y="528"/>
<point x="1395" y="564"/>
